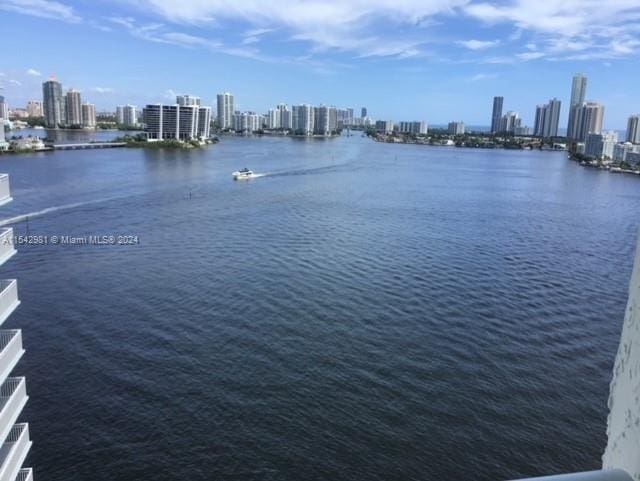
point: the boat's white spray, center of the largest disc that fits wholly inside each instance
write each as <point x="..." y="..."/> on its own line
<point x="623" y="424"/>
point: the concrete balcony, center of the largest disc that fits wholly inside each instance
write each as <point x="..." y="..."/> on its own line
<point x="13" y="397"/>
<point x="6" y="245"/>
<point x="25" y="475"/>
<point x="14" y="451"/>
<point x="5" y="190"/>
<point x="8" y="298"/>
<point x="11" y="351"/>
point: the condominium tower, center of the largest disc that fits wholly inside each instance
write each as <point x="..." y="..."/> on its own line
<point x="54" y="104"/>
<point x="14" y="435"/>
<point x="578" y="94"/>
<point x="496" y="114"/>
<point x="74" y="107"/>
<point x="226" y="109"/>
<point x="547" y="119"/>
<point x="633" y="129"/>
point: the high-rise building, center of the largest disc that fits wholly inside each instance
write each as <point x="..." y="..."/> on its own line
<point x="89" y="116"/>
<point x="34" y="108"/>
<point x="384" y="126"/>
<point x="14" y="436"/>
<point x="621" y="151"/>
<point x="325" y="120"/>
<point x="187" y="100"/>
<point x="588" y="119"/>
<point x="204" y="121"/>
<point x="456" y="128"/>
<point x="412" y="127"/>
<point x="54" y="104"/>
<point x="4" y="108"/>
<point x="496" y="114"/>
<point x="175" y="122"/>
<point x="547" y="119"/>
<point x="600" y="145"/>
<point x="363" y="112"/>
<point x="508" y="123"/>
<point x="578" y="94"/>
<point x="74" y="107"/>
<point x="302" y="119"/>
<point x="127" y="115"/>
<point x="247" y="122"/>
<point x="633" y="129"/>
<point x="226" y="109"/>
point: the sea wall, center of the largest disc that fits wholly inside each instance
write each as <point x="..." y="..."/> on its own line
<point x="623" y="425"/>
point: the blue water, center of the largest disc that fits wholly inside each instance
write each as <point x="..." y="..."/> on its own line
<point x="365" y="311"/>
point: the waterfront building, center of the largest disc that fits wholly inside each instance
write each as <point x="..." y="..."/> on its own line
<point x="412" y="127"/>
<point x="27" y="143"/>
<point x="204" y="121"/>
<point x="281" y="118"/>
<point x="578" y="95"/>
<point x="325" y="120"/>
<point x="74" y="108"/>
<point x="226" y="109"/>
<point x="18" y="114"/>
<point x="4" y="145"/>
<point x="633" y="158"/>
<point x="127" y="115"/>
<point x="588" y="119"/>
<point x="547" y="119"/>
<point x="187" y="100"/>
<point x="622" y="150"/>
<point x="89" y="116"/>
<point x="496" y="114"/>
<point x="54" y="104"/>
<point x="600" y="145"/>
<point x="456" y="128"/>
<point x="523" y="131"/>
<point x="633" y="129"/>
<point x="4" y="108"/>
<point x="34" y="108"/>
<point x="508" y="123"/>
<point x="384" y="126"/>
<point x="174" y="122"/>
<point x="14" y="436"/>
<point x="302" y="119"/>
<point x="247" y="122"/>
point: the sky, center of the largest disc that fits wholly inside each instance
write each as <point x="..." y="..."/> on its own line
<point x="430" y="60"/>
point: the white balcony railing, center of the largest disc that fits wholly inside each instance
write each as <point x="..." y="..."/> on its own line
<point x="7" y="249"/>
<point x="11" y="351"/>
<point x="13" y="397"/>
<point x="14" y="451"/>
<point x="25" y="475"/>
<point x="8" y="298"/>
<point x="5" y="190"/>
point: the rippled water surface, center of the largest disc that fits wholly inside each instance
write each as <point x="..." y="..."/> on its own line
<point x="362" y="312"/>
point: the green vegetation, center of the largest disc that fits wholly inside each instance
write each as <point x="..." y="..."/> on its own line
<point x="140" y="141"/>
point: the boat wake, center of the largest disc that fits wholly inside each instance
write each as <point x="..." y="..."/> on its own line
<point x="48" y="210"/>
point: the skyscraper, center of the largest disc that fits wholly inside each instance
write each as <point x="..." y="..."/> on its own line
<point x="4" y="108"/>
<point x="226" y="109"/>
<point x="578" y="94"/>
<point x="302" y="119"/>
<point x="34" y="108"/>
<point x="54" y="104"/>
<point x="363" y="112"/>
<point x="187" y="100"/>
<point x="496" y="114"/>
<point x="88" y="116"/>
<point x="74" y="107"/>
<point x="633" y="129"/>
<point x="547" y="119"/>
<point x="588" y="119"/>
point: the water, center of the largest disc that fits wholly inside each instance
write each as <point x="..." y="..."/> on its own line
<point x="364" y="311"/>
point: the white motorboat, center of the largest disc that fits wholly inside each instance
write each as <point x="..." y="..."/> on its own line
<point x="243" y="174"/>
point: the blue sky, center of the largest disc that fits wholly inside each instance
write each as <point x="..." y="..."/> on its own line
<point x="432" y="60"/>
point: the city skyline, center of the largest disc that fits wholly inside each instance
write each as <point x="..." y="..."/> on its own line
<point x="449" y="57"/>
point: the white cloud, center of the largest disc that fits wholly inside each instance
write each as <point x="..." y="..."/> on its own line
<point x="482" y="76"/>
<point x="478" y="44"/>
<point x="34" y="72"/>
<point x="102" y="90"/>
<point x="41" y="8"/>
<point x="15" y="82"/>
<point x="328" y="24"/>
<point x="530" y="55"/>
<point x="569" y="26"/>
